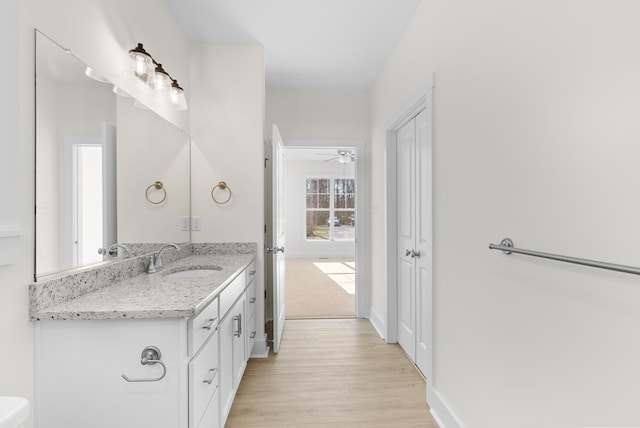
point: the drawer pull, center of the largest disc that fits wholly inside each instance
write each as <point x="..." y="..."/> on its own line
<point x="253" y="272"/>
<point x="210" y="323"/>
<point x="238" y="332"/>
<point x="212" y="377"/>
<point x="253" y="300"/>
<point x="253" y="335"/>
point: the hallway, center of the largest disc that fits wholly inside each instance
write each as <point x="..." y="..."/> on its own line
<point x="331" y="373"/>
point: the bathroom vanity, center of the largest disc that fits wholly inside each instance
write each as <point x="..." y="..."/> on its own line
<point x="166" y="349"/>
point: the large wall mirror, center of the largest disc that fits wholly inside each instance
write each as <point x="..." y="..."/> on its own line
<point x="108" y="170"/>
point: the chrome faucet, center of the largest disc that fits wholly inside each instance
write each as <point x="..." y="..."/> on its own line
<point x="112" y="250"/>
<point x="155" y="264"/>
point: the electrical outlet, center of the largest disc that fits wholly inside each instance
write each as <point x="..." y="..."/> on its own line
<point x="184" y="223"/>
<point x="195" y="223"/>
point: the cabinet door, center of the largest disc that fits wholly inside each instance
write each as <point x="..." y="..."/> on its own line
<point x="80" y="366"/>
<point x="226" y="365"/>
<point x="239" y="333"/>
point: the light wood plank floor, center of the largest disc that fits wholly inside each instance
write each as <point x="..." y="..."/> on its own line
<point x="331" y="373"/>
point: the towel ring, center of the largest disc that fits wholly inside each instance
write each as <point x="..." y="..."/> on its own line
<point x="222" y="186"/>
<point x="158" y="186"/>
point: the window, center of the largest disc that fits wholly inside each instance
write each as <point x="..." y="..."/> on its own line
<point x="331" y="209"/>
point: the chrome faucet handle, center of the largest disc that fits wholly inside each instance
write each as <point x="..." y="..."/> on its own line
<point x="155" y="264"/>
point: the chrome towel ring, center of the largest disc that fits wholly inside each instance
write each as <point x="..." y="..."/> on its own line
<point x="222" y="186"/>
<point x="150" y="356"/>
<point x="157" y="186"/>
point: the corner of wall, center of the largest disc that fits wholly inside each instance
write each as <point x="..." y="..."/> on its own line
<point x="377" y="322"/>
<point x="440" y="410"/>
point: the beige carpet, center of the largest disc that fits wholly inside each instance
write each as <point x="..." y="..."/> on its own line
<point x="320" y="288"/>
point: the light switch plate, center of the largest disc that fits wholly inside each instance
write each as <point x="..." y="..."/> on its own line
<point x="195" y="223"/>
<point x="184" y="223"/>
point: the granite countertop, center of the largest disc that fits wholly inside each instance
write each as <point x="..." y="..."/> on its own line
<point x="153" y="295"/>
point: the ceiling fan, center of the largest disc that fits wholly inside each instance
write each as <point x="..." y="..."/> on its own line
<point x="343" y="156"/>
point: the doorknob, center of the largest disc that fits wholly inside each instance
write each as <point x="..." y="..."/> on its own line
<point x="268" y="249"/>
<point x="276" y="249"/>
<point x="407" y="253"/>
<point x="415" y="254"/>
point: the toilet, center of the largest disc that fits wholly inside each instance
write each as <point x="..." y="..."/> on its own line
<point x="14" y="412"/>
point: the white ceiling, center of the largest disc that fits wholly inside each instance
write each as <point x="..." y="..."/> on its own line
<point x="308" y="44"/>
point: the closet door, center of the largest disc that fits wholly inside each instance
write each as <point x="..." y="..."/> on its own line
<point x="414" y="234"/>
<point x="405" y="194"/>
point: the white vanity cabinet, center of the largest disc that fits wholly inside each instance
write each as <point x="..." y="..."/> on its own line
<point x="234" y="332"/>
<point x="80" y="366"/>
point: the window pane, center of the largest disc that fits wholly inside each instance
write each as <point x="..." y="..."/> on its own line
<point x="312" y="201"/>
<point x="317" y="225"/>
<point x="339" y="201"/>
<point x="323" y="186"/>
<point x="324" y="201"/>
<point x="350" y="201"/>
<point x="312" y="185"/>
<point x="346" y="230"/>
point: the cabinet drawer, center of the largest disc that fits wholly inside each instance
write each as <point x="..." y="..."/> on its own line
<point x="251" y="300"/>
<point x="203" y="380"/>
<point x="202" y="326"/>
<point x="230" y="294"/>
<point x="251" y="272"/>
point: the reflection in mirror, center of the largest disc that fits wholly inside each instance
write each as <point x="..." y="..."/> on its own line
<point x="96" y="155"/>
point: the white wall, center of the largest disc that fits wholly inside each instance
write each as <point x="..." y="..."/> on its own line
<point x="536" y="138"/>
<point x="307" y="114"/>
<point x="16" y="206"/>
<point x="107" y="29"/>
<point x="227" y="116"/>
<point x="296" y="173"/>
<point x="151" y="149"/>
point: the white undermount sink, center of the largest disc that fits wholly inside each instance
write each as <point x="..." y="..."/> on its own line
<point x="194" y="273"/>
<point x="13" y="411"/>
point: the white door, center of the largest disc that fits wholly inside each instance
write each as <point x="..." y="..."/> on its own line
<point x="414" y="219"/>
<point x="405" y="193"/>
<point x="278" y="238"/>
<point x="423" y="243"/>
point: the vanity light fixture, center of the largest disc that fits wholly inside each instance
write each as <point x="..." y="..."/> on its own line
<point x="91" y="73"/>
<point x="151" y="72"/>
<point x="176" y="96"/>
<point x="145" y="67"/>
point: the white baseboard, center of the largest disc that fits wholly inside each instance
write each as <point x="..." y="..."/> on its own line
<point x="441" y="411"/>
<point x="376" y="321"/>
<point x="260" y="348"/>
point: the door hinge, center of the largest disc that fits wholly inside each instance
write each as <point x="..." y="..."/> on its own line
<point x="265" y="294"/>
<point x="265" y="228"/>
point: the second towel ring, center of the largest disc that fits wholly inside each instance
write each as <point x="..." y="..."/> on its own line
<point x="158" y="186"/>
<point x="222" y="186"/>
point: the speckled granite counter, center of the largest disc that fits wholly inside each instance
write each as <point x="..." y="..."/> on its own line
<point x="138" y="294"/>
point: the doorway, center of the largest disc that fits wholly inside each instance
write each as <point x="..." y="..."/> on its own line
<point x="333" y="228"/>
<point x="321" y="217"/>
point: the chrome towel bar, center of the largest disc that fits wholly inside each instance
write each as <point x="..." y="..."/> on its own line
<point x="506" y="246"/>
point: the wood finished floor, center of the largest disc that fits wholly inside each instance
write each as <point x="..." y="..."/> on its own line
<point x="331" y="373"/>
